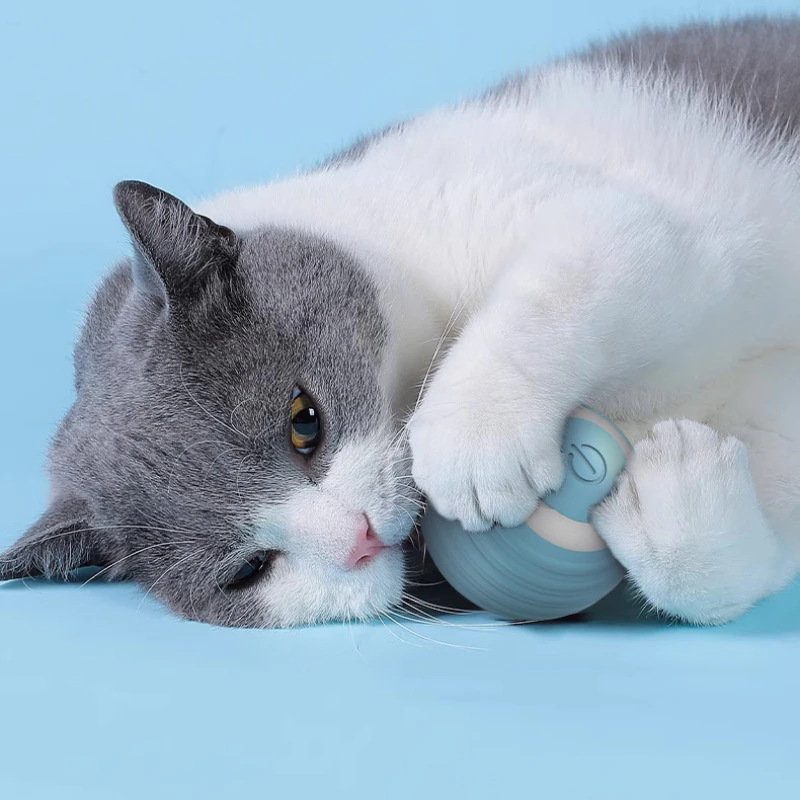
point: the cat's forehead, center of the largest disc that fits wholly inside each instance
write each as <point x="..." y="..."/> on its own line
<point x="299" y="301"/>
<point x="302" y="274"/>
<point x="315" y="313"/>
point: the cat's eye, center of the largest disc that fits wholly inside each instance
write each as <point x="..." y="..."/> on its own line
<point x="306" y="424"/>
<point x="254" y="567"/>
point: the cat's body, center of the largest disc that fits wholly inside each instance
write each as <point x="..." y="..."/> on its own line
<point x="621" y="228"/>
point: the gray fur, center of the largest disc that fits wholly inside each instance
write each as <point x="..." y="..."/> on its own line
<point x="358" y="149"/>
<point x="181" y="419"/>
<point x="753" y="61"/>
<point x="190" y="352"/>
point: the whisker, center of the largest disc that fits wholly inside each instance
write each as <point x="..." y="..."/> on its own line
<point x="422" y="618"/>
<point x="440" y="609"/>
<point x="206" y="411"/>
<point x="428" y="639"/>
<point x="467" y="612"/>
<point x="88" y="529"/>
<point x="166" y="572"/>
<point x="381" y="619"/>
<point x="239" y="405"/>
<point x="239" y="474"/>
<point x="130" y="555"/>
<point x="274" y="425"/>
<point x="458" y="308"/>
<point x="180" y="456"/>
<point x="349" y="622"/>
<point x="211" y="465"/>
<point x="201" y="570"/>
<point x="475" y="626"/>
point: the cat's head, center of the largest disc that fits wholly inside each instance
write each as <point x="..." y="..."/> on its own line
<point x="232" y="446"/>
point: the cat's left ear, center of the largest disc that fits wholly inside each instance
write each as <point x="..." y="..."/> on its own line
<point x="62" y="540"/>
<point x="176" y="250"/>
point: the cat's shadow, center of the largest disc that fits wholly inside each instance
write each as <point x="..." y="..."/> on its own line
<point x="774" y="617"/>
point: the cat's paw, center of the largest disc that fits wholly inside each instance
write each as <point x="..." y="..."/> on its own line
<point x="686" y="523"/>
<point x="483" y="452"/>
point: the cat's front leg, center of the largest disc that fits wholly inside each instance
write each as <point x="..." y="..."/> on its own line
<point x="686" y="523"/>
<point x="485" y="439"/>
<point x="585" y="304"/>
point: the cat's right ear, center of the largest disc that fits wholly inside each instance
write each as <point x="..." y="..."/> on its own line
<point x="176" y="250"/>
<point x="61" y="541"/>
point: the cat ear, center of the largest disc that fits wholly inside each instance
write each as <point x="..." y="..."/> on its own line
<point x="61" y="541"/>
<point x="176" y="250"/>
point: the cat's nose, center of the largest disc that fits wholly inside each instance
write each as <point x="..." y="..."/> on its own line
<point x="367" y="546"/>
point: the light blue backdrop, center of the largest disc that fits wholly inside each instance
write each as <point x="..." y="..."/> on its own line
<point x="103" y="695"/>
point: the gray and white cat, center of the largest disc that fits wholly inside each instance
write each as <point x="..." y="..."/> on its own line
<point x="621" y="227"/>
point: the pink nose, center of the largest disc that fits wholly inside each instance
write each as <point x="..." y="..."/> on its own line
<point x="367" y="546"/>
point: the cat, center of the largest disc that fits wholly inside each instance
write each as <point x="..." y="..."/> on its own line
<point x="272" y="384"/>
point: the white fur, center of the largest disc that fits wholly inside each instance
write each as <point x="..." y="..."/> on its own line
<point x="598" y="240"/>
<point x="315" y="531"/>
<point x="687" y="523"/>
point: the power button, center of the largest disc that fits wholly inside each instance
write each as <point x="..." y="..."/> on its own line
<point x="586" y="463"/>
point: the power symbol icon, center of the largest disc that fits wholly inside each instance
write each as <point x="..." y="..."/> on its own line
<point x="586" y="463"/>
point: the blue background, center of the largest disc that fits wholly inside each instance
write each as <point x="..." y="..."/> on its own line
<point x="102" y="694"/>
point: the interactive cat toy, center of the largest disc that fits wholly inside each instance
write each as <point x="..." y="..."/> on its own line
<point x="555" y="564"/>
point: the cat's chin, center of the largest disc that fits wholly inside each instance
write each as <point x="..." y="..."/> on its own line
<point x="362" y="594"/>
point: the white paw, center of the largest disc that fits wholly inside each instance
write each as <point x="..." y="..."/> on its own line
<point x="483" y="451"/>
<point x="686" y="523"/>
